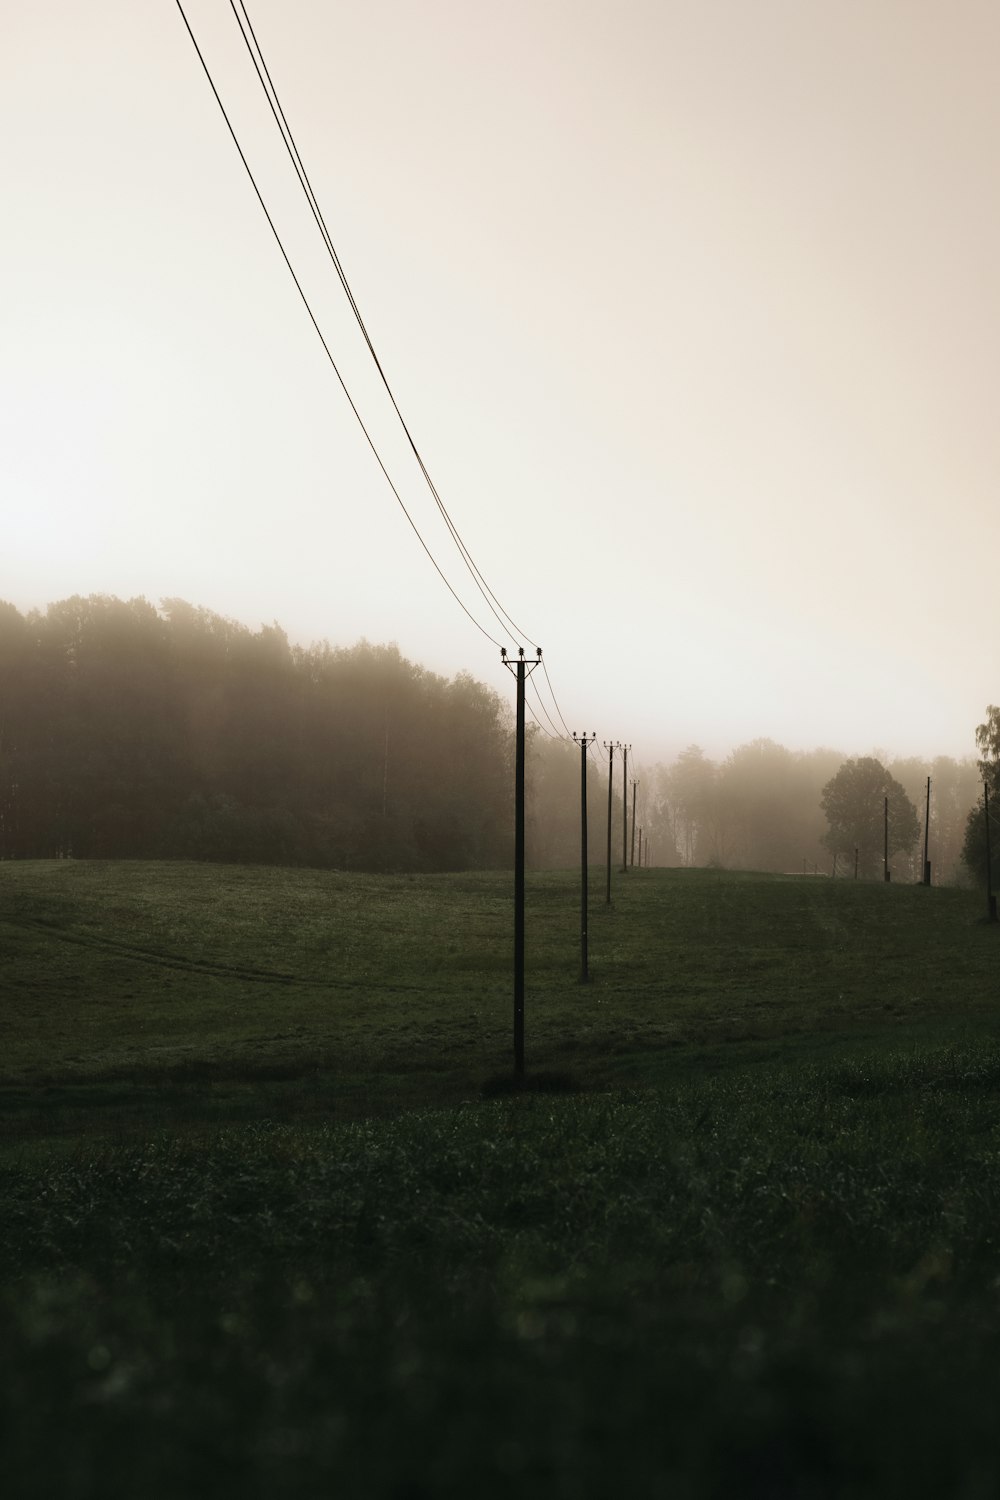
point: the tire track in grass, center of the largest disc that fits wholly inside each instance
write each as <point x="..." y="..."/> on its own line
<point x="159" y="959"/>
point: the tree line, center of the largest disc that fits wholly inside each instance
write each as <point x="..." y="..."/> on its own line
<point x="128" y="731"/>
<point x="132" y="731"/>
<point x="769" y="808"/>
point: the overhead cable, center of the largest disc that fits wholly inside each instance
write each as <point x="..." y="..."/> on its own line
<point x="312" y="318"/>
<point x="267" y="84"/>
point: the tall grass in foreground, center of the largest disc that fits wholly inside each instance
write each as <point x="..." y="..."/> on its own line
<point x="774" y="1282"/>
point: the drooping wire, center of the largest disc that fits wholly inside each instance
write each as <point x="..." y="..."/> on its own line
<point x="270" y="92"/>
<point x="538" y="722"/>
<point x="555" y="700"/>
<point x="267" y="84"/>
<point x="312" y="318"/>
<point x="557" y="734"/>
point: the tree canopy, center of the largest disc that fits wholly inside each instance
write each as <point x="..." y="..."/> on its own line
<point x="974" y="847"/>
<point x="128" y="731"/>
<point x="854" y="804"/>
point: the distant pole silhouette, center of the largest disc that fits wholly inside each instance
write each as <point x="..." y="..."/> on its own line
<point x="625" y="751"/>
<point x="927" y="831"/>
<point x="522" y="671"/>
<point x="640" y="846"/>
<point x="631" y="858"/>
<point x="610" y="748"/>
<point x="583" y="742"/>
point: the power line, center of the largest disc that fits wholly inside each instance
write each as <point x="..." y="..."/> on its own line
<point x="266" y="81"/>
<point x="538" y="723"/>
<point x="555" y="700"/>
<point x="556" y="734"/>
<point x="326" y="348"/>
<point x="267" y="84"/>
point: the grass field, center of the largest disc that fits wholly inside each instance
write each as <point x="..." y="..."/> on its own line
<point x="269" y="1225"/>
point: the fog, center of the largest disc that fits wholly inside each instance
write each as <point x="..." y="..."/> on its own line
<point x="134" y="732"/>
<point x="691" y="309"/>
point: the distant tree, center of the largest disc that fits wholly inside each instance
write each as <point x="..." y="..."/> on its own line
<point x="988" y="744"/>
<point x="955" y="786"/>
<point x="974" y="844"/>
<point x="853" y="802"/>
<point x="692" y="788"/>
<point x="131" y="731"/>
<point x="660" y="822"/>
<point x="769" y="797"/>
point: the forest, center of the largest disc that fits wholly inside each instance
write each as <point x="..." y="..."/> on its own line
<point x="132" y="731"/>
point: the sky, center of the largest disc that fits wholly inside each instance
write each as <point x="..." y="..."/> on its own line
<point x="691" y="306"/>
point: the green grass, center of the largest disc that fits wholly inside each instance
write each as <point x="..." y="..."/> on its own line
<point x="757" y="1253"/>
<point x="186" y="990"/>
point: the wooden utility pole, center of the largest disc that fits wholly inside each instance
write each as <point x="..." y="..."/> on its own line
<point x="631" y="857"/>
<point x="625" y="751"/>
<point x="610" y="748"/>
<point x="927" y="832"/>
<point x="583" y="742"/>
<point x="640" y="845"/>
<point x="522" y="670"/>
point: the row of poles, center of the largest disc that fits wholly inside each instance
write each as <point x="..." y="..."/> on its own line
<point x="522" y="667"/>
<point x="991" y="900"/>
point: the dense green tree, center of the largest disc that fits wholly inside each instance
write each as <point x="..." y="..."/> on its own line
<point x="853" y="802"/>
<point x="974" y="845"/>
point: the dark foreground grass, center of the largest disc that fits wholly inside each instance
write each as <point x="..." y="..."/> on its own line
<point x="776" y="1282"/>
<point x="742" y="1240"/>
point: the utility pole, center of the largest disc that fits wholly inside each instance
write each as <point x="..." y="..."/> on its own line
<point x="927" y="831"/>
<point x="625" y="751"/>
<point x="885" y="839"/>
<point x="631" y="858"/>
<point x="640" y="843"/>
<point x="583" y="742"/>
<point x="522" y="670"/>
<point x="610" y="748"/>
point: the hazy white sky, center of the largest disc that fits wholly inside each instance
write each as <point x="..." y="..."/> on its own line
<point x="692" y="306"/>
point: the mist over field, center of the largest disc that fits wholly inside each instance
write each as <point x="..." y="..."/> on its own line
<point x="130" y="731"/>
<point x="349" y="351"/>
